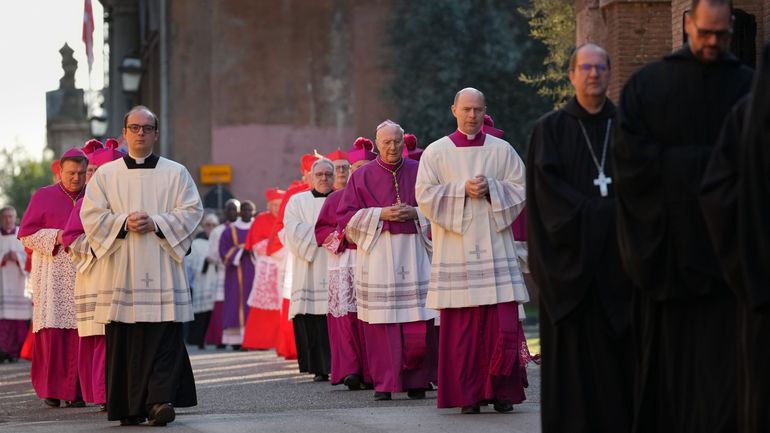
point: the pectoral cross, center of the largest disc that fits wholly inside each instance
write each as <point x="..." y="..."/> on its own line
<point x="147" y="280"/>
<point x="602" y="181"/>
<point x="403" y="273"/>
<point x="477" y="252"/>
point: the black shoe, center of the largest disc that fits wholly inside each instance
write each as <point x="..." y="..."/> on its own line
<point x="365" y="385"/>
<point x="76" y="403"/>
<point x="321" y="378"/>
<point x="503" y="406"/>
<point x="221" y="346"/>
<point x="132" y="420"/>
<point x="102" y="408"/>
<point x="469" y="410"/>
<point x="382" y="396"/>
<point x="353" y="382"/>
<point x="202" y="347"/>
<point x="161" y="414"/>
<point x="416" y="394"/>
<point x="53" y="402"/>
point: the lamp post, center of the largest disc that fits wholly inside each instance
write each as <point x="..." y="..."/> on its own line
<point x="131" y="77"/>
<point x="98" y="122"/>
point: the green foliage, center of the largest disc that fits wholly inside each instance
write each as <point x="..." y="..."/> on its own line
<point x="21" y="177"/>
<point x="553" y="23"/>
<point x="441" y="46"/>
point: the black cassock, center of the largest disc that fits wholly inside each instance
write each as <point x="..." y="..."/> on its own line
<point x="735" y="198"/>
<point x="670" y="114"/>
<point x="585" y="296"/>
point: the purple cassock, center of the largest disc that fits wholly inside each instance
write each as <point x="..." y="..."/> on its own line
<point x="92" y="350"/>
<point x="54" y="371"/>
<point x="238" y="279"/>
<point x="346" y="335"/>
<point x="479" y="348"/>
<point x="401" y="356"/>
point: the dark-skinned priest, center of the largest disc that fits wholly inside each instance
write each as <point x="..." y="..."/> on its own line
<point x="140" y="213"/>
<point x="669" y="118"/>
<point x="585" y="296"/>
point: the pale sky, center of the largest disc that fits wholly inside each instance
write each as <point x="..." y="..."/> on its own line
<point x="32" y="32"/>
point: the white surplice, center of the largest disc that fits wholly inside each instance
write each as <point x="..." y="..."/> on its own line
<point x="475" y="261"/>
<point x="309" y="294"/>
<point x="13" y="280"/>
<point x="91" y="275"/>
<point x="392" y="271"/>
<point x="148" y="279"/>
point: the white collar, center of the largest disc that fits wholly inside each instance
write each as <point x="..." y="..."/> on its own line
<point x="469" y="136"/>
<point x="140" y="160"/>
<point x="239" y="224"/>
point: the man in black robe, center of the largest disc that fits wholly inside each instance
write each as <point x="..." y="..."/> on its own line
<point x="735" y="198"/>
<point x="585" y="297"/>
<point x="669" y="116"/>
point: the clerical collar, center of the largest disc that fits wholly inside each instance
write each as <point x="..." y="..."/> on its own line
<point x="461" y="139"/>
<point x="74" y="196"/>
<point x="242" y="225"/>
<point x="574" y="108"/>
<point x="317" y="194"/>
<point x="150" y="161"/>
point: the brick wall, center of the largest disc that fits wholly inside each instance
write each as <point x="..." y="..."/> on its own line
<point x="637" y="33"/>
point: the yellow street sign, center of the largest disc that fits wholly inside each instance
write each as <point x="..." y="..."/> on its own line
<point x="212" y="174"/>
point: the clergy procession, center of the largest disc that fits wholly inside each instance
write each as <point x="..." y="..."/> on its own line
<point x="640" y="225"/>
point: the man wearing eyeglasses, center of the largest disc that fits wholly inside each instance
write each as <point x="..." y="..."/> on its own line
<point x="140" y="213"/>
<point x="309" y="282"/>
<point x="670" y="114"/>
<point x="585" y="301"/>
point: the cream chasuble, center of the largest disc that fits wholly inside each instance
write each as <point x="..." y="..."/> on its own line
<point x="392" y="271"/>
<point x="148" y="282"/>
<point x="475" y="261"/>
<point x="309" y="291"/>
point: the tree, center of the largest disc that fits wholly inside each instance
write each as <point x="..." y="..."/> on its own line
<point x="553" y="23"/>
<point x="20" y="177"/>
<point x="441" y="46"/>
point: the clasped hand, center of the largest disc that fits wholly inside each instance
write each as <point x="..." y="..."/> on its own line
<point x="477" y="187"/>
<point x="140" y="222"/>
<point x="399" y="213"/>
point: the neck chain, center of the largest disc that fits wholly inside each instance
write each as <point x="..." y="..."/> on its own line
<point x="395" y="179"/>
<point x="69" y="196"/>
<point x="601" y="181"/>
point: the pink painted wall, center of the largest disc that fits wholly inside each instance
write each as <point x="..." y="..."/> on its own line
<point x="264" y="156"/>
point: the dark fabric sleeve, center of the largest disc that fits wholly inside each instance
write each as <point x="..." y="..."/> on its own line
<point x="567" y="230"/>
<point x="638" y="183"/>
<point x="719" y="196"/>
<point x="754" y="192"/>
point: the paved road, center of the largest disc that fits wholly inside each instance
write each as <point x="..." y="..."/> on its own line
<point x="259" y="392"/>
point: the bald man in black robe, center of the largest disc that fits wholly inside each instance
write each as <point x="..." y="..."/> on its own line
<point x="670" y="113"/>
<point x="585" y="296"/>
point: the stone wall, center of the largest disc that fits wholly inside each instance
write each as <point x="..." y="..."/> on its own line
<point x="257" y="86"/>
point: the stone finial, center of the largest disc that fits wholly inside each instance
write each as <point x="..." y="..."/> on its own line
<point x="70" y="65"/>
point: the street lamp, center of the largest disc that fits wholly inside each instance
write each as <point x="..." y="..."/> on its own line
<point x="131" y="75"/>
<point x="98" y="122"/>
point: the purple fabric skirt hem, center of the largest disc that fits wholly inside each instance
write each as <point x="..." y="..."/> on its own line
<point x="385" y="355"/>
<point x="467" y="343"/>
<point x="91" y="364"/>
<point x="54" y="371"/>
<point x="348" y="348"/>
